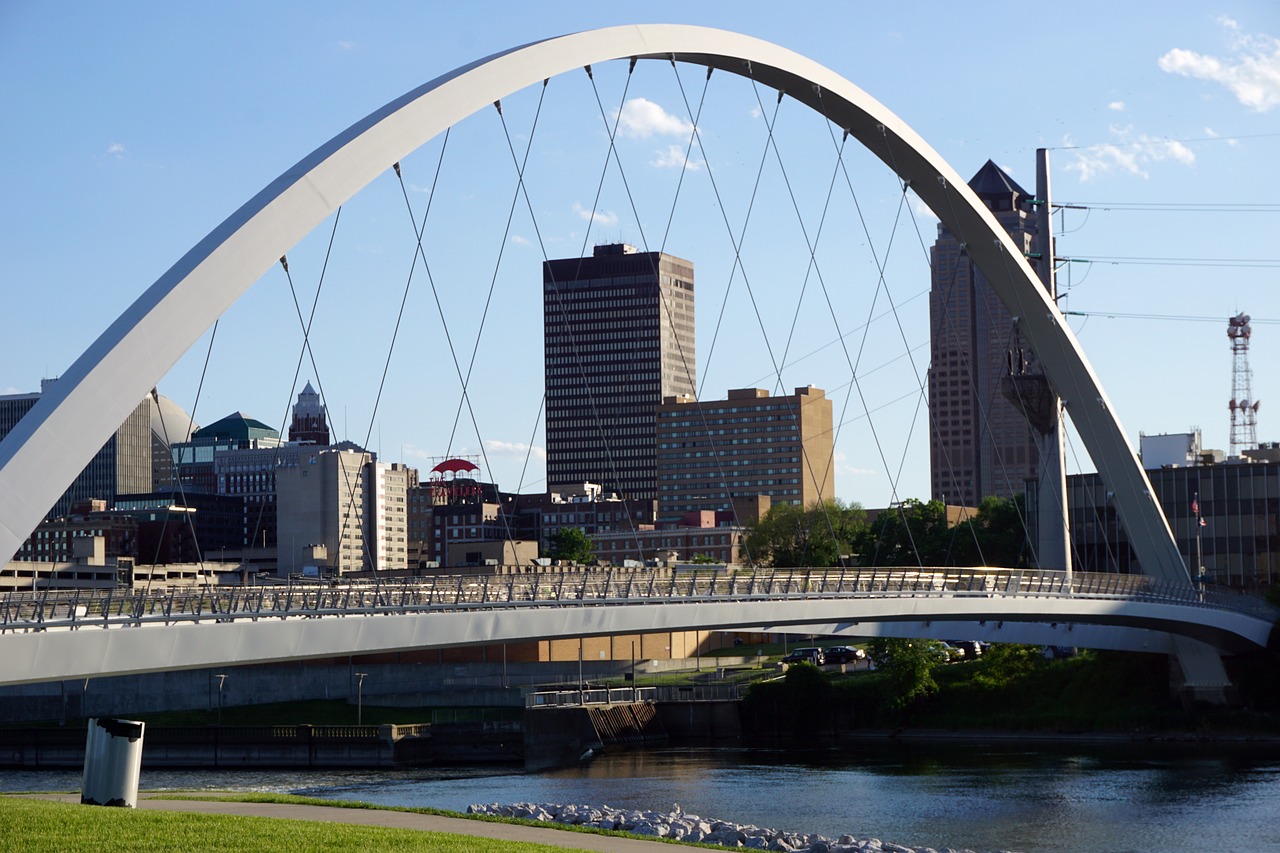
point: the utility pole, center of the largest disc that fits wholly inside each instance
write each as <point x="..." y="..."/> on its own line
<point x="1052" y="533"/>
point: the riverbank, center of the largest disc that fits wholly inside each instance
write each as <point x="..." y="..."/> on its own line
<point x="680" y="826"/>
<point x="392" y="829"/>
<point x="1061" y="797"/>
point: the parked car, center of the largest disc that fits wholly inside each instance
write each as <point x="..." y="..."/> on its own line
<point x="953" y="654"/>
<point x="805" y="654"/>
<point x="972" y="648"/>
<point x="843" y="654"/>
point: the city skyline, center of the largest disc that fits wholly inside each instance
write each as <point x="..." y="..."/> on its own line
<point x="136" y="167"/>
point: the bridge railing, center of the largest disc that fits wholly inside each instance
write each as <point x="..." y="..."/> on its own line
<point x="590" y="696"/>
<point x="74" y="609"/>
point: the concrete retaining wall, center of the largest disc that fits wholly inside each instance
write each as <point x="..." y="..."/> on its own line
<point x="233" y="746"/>
<point x="405" y="685"/>
<point x="700" y="722"/>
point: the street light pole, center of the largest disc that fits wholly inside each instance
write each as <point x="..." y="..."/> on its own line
<point x="360" y="698"/>
<point x="222" y="679"/>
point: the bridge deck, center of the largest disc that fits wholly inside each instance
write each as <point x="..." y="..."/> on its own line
<point x="54" y="635"/>
<point x="49" y="609"/>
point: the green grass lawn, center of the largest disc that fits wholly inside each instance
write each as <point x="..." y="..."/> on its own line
<point x="31" y="825"/>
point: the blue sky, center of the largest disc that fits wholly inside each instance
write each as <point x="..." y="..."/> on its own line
<point x="133" y="129"/>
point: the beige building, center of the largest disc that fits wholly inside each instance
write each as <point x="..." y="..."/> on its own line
<point x="387" y="520"/>
<point x="341" y="511"/>
<point x="713" y="454"/>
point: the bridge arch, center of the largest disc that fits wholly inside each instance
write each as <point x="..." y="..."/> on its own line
<point x="76" y="416"/>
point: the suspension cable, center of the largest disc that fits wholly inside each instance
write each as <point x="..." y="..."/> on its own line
<point x="204" y="369"/>
<point x="683" y="356"/>
<point x="420" y="253"/>
<point x="815" y="269"/>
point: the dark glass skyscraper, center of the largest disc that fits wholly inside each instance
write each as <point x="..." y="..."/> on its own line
<point x="122" y="466"/>
<point x="618" y="337"/>
<point x="980" y="444"/>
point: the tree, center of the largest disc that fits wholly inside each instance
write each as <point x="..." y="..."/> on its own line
<point x="918" y="533"/>
<point x="570" y="544"/>
<point x="908" y="667"/>
<point x="788" y="535"/>
<point x="1001" y="531"/>
<point x="1004" y="663"/>
<point x="913" y="533"/>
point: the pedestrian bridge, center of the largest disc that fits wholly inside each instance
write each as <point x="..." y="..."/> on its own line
<point x="73" y="634"/>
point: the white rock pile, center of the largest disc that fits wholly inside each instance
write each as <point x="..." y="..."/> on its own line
<point x="676" y="824"/>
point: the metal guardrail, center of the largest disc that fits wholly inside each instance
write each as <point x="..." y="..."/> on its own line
<point x="73" y="609"/>
<point x="698" y="692"/>
<point x="589" y="696"/>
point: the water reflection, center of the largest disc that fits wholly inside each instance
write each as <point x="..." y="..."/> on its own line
<point x="997" y="796"/>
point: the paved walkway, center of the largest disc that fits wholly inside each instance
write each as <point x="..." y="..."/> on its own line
<point x="401" y="820"/>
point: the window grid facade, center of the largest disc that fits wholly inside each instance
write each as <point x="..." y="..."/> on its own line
<point x="980" y="444"/>
<point x="748" y="444"/>
<point x="1239" y="502"/>
<point x="618" y="333"/>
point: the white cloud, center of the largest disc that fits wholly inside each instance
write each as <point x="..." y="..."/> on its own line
<point x="1251" y="72"/>
<point x="116" y="150"/>
<point x="514" y="448"/>
<point x="674" y="158"/>
<point x="756" y="112"/>
<point x="843" y="466"/>
<point x="1116" y="106"/>
<point x="921" y="209"/>
<point x="520" y="241"/>
<point x="346" y="45"/>
<point x="641" y="118"/>
<point x="600" y="217"/>
<point x="1130" y="152"/>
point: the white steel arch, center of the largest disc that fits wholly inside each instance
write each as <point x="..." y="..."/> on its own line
<point x="54" y="441"/>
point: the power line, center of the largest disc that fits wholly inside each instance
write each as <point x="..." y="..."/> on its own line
<point x="1263" y="263"/>
<point x="1170" y="207"/>
<point x="1188" y="318"/>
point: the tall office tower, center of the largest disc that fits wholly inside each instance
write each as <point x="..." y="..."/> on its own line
<point x="122" y="466"/>
<point x="310" y="423"/>
<point x="711" y="453"/>
<point x="618" y="338"/>
<point x="980" y="443"/>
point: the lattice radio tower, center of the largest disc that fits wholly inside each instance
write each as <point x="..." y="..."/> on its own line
<point x="1244" y="409"/>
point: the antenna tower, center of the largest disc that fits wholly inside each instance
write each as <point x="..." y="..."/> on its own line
<point x="1244" y="409"/>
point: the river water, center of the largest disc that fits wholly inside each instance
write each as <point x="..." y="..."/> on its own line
<point x="1079" y="798"/>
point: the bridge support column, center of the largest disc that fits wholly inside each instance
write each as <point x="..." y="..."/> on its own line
<point x="1204" y="678"/>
